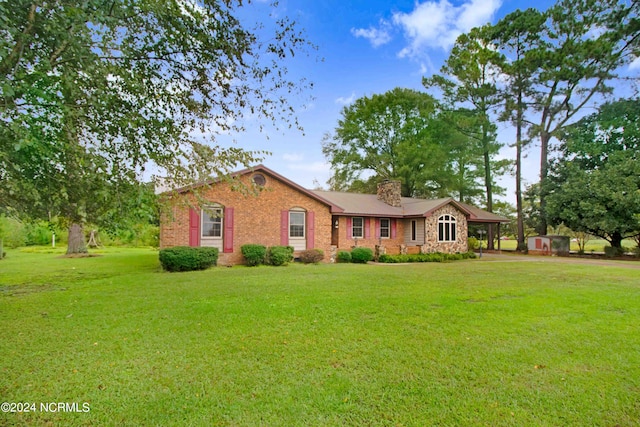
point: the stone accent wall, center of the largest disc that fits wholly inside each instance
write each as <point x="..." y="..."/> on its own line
<point x="256" y="218"/>
<point x="431" y="232"/>
<point x="390" y="192"/>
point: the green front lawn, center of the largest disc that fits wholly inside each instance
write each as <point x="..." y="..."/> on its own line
<point x="464" y="343"/>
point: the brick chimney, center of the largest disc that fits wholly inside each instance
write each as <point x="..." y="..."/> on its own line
<point x="389" y="192"/>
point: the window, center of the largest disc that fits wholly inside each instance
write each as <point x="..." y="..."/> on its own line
<point x="447" y="228"/>
<point x="259" y="180"/>
<point x="296" y="224"/>
<point x="357" y="227"/>
<point x="385" y="228"/>
<point x="212" y="222"/>
<point x="414" y="230"/>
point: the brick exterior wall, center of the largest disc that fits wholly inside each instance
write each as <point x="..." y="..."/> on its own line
<point x="346" y="244"/>
<point x="256" y="218"/>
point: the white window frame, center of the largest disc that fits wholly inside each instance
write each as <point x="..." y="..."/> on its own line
<point x="447" y="228"/>
<point x="359" y="227"/>
<point x="205" y="218"/>
<point x="386" y="228"/>
<point x="297" y="213"/>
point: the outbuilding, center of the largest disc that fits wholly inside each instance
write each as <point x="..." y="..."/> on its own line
<point x="548" y="245"/>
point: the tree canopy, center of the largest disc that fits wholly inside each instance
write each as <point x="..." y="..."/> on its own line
<point x="583" y="46"/>
<point x="595" y="186"/>
<point x="393" y="135"/>
<point x="95" y="92"/>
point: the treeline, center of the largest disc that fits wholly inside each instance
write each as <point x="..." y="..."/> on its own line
<point x="130" y="218"/>
<point x="17" y="233"/>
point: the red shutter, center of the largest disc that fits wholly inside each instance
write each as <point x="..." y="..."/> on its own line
<point x="349" y="228"/>
<point x="194" y="227"/>
<point x="393" y="228"/>
<point x="284" y="228"/>
<point x="228" y="230"/>
<point x="377" y="228"/>
<point x="311" y="230"/>
<point x="367" y="231"/>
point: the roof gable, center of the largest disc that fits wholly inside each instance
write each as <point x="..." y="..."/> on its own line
<point x="263" y="169"/>
<point x="357" y="204"/>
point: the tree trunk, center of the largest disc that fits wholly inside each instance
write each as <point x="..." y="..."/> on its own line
<point x="76" y="243"/>
<point x="489" y="187"/>
<point x="616" y="240"/>
<point x="544" y="171"/>
<point x="519" y="214"/>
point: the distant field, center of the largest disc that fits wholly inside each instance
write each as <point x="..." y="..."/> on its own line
<point x="595" y="245"/>
<point x="465" y="343"/>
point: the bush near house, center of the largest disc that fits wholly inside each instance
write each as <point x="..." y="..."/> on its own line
<point x="311" y="256"/>
<point x="344" y="256"/>
<point x="279" y="255"/>
<point x="254" y="254"/>
<point x="432" y="257"/>
<point x="187" y="258"/>
<point x="361" y="255"/>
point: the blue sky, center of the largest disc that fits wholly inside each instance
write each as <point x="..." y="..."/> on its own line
<point x="369" y="47"/>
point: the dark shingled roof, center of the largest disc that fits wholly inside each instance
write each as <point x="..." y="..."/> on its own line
<point x="354" y="204"/>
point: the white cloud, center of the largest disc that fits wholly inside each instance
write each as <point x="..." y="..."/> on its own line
<point x="437" y="24"/>
<point x="376" y="36"/>
<point x="635" y="65"/>
<point x="346" y="101"/>
<point x="293" y="157"/>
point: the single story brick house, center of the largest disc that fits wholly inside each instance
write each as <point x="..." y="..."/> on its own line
<point x="284" y="213"/>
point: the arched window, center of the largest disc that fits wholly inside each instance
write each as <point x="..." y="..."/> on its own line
<point x="446" y="228"/>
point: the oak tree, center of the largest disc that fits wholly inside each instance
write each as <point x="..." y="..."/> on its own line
<point x="389" y="136"/>
<point x="594" y="187"/>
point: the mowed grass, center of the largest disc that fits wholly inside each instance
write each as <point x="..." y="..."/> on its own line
<point x="457" y="344"/>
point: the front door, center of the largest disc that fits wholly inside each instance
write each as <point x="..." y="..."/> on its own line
<point x="334" y="230"/>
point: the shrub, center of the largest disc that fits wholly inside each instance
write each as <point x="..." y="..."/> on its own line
<point x="388" y="259"/>
<point x="472" y="243"/>
<point x="254" y="254"/>
<point x="611" y="252"/>
<point x="344" y="256"/>
<point x="431" y="257"/>
<point x="311" y="256"/>
<point x="186" y="258"/>
<point x="279" y="255"/>
<point x="13" y="232"/>
<point x="361" y="255"/>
